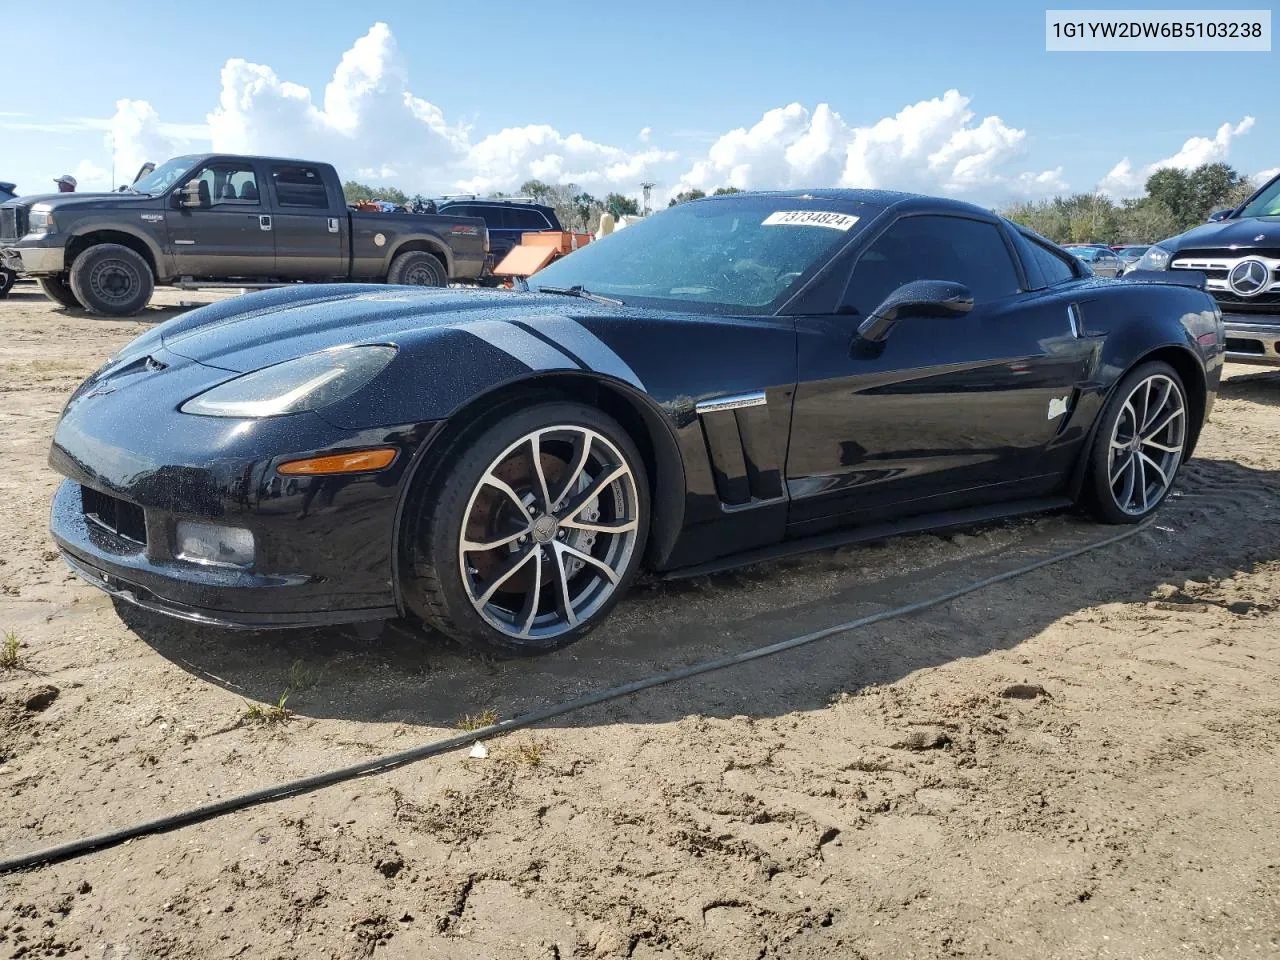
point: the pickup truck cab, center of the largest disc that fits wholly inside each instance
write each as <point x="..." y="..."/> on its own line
<point x="214" y="219"/>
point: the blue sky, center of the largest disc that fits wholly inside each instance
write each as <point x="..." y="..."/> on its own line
<point x="689" y="72"/>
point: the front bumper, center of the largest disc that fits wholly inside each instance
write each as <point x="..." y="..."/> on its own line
<point x="324" y="546"/>
<point x="42" y="261"/>
<point x="1252" y="341"/>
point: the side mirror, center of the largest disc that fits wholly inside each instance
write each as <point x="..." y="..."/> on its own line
<point x="919" y="298"/>
<point x="189" y="196"/>
<point x="1219" y="215"/>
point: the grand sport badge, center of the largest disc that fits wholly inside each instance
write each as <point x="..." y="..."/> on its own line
<point x="1250" y="277"/>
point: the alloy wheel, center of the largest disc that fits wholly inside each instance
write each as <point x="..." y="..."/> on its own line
<point x="548" y="532"/>
<point x="1146" y="444"/>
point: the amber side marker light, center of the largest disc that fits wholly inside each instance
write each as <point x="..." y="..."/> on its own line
<point x="358" y="461"/>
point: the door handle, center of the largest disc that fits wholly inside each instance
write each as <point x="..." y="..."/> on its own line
<point x="333" y="224"/>
<point x="264" y="222"/>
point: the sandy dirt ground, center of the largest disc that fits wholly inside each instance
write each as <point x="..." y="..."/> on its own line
<point x="888" y="793"/>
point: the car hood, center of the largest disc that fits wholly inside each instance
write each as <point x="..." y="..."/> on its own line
<point x="251" y="332"/>
<point x="1245" y="233"/>
<point x="86" y="201"/>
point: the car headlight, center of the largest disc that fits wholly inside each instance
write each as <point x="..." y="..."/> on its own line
<point x="1156" y="258"/>
<point x="295" y="386"/>
<point x="40" y="221"/>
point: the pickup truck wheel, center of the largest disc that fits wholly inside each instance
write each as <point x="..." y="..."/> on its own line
<point x="56" y="289"/>
<point x="417" y="268"/>
<point x="111" y="279"/>
<point x="7" y="277"/>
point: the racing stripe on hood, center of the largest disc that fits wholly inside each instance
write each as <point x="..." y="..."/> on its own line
<point x="534" y="353"/>
<point x="586" y="346"/>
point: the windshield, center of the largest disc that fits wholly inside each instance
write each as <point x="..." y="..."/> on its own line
<point x="739" y="254"/>
<point x="1132" y="251"/>
<point x="1265" y="204"/>
<point x="164" y="176"/>
<point x="1085" y="253"/>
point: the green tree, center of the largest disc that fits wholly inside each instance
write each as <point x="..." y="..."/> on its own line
<point x="722" y="191"/>
<point x="584" y="205"/>
<point x="620" y="206"/>
<point x="686" y="195"/>
<point x="536" y="189"/>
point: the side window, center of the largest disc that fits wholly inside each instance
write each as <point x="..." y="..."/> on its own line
<point x="458" y="210"/>
<point x="1055" y="269"/>
<point x="230" y="183"/>
<point x="300" y="187"/>
<point x="933" y="247"/>
<point x="528" y="219"/>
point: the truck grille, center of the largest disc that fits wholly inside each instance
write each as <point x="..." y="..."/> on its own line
<point x="9" y="223"/>
<point x="110" y="513"/>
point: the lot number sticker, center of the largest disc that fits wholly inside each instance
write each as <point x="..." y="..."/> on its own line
<point x="810" y="218"/>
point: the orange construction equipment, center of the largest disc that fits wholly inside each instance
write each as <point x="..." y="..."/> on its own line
<point x="536" y="250"/>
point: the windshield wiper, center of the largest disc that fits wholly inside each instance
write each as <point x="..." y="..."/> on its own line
<point x="578" y="290"/>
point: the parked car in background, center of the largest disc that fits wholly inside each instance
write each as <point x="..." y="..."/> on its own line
<point x="1130" y="254"/>
<point x="508" y="219"/>
<point x="221" y="219"/>
<point x="1238" y="251"/>
<point x="7" y="277"/>
<point x="1101" y="260"/>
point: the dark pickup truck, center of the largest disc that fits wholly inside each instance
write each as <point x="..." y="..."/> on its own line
<point x="232" y="220"/>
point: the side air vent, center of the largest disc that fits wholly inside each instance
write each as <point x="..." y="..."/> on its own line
<point x="739" y="439"/>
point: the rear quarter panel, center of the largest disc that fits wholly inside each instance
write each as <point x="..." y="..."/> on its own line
<point x="376" y="239"/>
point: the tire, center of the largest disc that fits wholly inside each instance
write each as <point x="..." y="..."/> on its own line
<point x="1132" y="471"/>
<point x="417" y="268"/>
<point x="57" y="290"/>
<point x="112" y="280"/>
<point x="7" y="280"/>
<point x="564" y="577"/>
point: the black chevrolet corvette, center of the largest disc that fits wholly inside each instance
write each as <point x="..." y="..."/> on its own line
<point x="731" y="379"/>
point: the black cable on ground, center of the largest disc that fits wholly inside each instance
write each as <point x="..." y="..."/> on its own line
<point x="112" y="838"/>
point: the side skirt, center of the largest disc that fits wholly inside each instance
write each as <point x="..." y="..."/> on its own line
<point x="924" y="523"/>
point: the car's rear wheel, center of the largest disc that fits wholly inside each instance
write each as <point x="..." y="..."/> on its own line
<point x="533" y="532"/>
<point x="111" y="279"/>
<point x="417" y="268"/>
<point x="7" y="279"/>
<point x="1139" y="445"/>
<point x="57" y="290"/>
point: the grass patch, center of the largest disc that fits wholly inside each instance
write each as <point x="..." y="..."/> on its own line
<point x="486" y="718"/>
<point x="303" y="676"/>
<point x="532" y="753"/>
<point x="11" y="651"/>
<point x="268" y="715"/>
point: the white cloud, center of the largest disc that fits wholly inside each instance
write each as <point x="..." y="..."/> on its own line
<point x="1124" y="180"/>
<point x="369" y="124"/>
<point x="645" y="134"/>
<point x="512" y="156"/>
<point x="1262" y="176"/>
<point x="91" y="178"/>
<point x="931" y="146"/>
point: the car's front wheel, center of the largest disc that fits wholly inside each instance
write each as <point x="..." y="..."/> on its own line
<point x="7" y="279"/>
<point x="529" y="535"/>
<point x="111" y="279"/>
<point x="1139" y="445"/>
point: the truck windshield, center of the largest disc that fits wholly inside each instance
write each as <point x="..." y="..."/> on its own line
<point x="163" y="176"/>
<point x="1265" y="204"/>
<point x="739" y="255"/>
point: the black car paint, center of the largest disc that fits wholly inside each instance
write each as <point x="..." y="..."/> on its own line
<point x="950" y="413"/>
